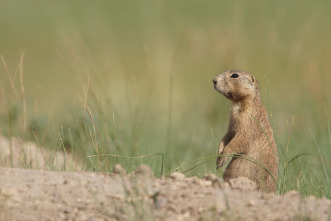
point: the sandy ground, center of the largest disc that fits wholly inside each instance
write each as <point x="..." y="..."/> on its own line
<point x="44" y="195"/>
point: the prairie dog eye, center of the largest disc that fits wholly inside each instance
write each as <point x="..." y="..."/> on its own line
<point x="235" y="75"/>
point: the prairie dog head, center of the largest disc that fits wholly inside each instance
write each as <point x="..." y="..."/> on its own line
<point x="236" y="85"/>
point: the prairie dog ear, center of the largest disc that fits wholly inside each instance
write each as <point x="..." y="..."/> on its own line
<point x="254" y="81"/>
<point x="252" y="78"/>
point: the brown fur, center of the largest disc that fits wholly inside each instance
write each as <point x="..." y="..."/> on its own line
<point x="249" y="132"/>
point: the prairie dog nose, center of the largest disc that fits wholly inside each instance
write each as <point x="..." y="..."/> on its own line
<point x="214" y="81"/>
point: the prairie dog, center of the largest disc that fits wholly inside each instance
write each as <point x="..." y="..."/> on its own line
<point x="249" y="135"/>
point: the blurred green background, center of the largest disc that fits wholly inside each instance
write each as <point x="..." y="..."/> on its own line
<point x="148" y="66"/>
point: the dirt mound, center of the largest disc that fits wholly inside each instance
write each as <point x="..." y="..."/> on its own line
<point x="16" y="153"/>
<point x="44" y="195"/>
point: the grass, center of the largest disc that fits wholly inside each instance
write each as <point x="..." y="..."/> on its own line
<point x="128" y="83"/>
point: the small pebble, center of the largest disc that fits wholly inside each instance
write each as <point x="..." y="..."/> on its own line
<point x="119" y="170"/>
<point x="177" y="176"/>
<point x="144" y="170"/>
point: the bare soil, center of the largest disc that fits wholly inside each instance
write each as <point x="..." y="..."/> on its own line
<point x="45" y="195"/>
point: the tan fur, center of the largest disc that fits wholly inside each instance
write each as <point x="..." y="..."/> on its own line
<point x="249" y="132"/>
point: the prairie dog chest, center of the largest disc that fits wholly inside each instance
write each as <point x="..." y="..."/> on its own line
<point x="241" y="120"/>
